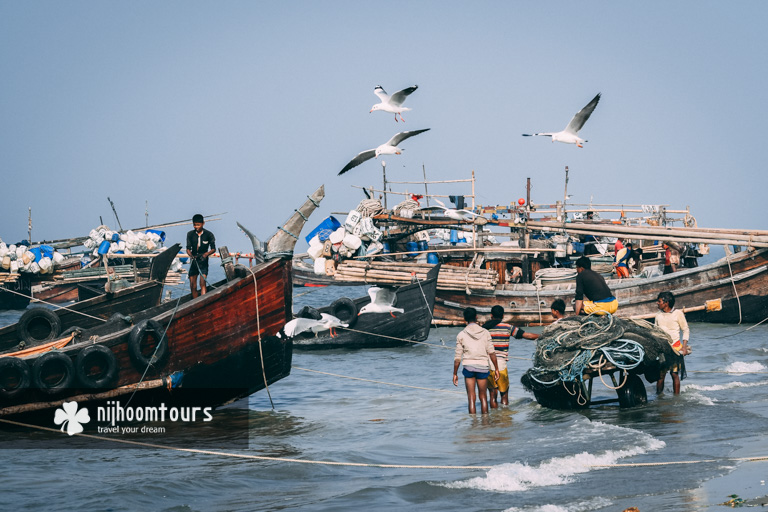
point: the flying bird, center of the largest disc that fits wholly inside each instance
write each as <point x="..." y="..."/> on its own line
<point x="388" y="148"/>
<point x="299" y="325"/>
<point x="570" y="134"/>
<point x="382" y="301"/>
<point x="392" y="104"/>
<point x="453" y="213"/>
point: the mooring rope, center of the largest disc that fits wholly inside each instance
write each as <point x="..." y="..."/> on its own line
<point x="30" y="297"/>
<point x="244" y="455"/>
<point x="745" y="330"/>
<point x="258" y="329"/>
<point x="377" y="381"/>
<point x="157" y="347"/>
<point x="733" y="283"/>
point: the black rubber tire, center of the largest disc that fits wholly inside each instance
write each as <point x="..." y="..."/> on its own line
<point x="345" y="310"/>
<point x="53" y="362"/>
<point x="136" y="339"/>
<point x="17" y="370"/>
<point x="38" y="325"/>
<point x="107" y="362"/>
<point x="309" y="312"/>
<point x="632" y="393"/>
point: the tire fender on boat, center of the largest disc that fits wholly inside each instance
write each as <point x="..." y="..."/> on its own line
<point x="96" y="356"/>
<point x="138" y="337"/>
<point x="38" y="325"/>
<point x="53" y="372"/>
<point x="14" y="377"/>
<point x="345" y="310"/>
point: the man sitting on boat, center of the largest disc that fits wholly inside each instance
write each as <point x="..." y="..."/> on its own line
<point x="590" y="284"/>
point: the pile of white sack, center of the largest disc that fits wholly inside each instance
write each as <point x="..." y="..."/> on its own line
<point x="122" y="243"/>
<point x="20" y="258"/>
<point x="357" y="237"/>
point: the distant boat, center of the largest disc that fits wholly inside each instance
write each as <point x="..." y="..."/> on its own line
<point x="205" y="351"/>
<point x="41" y="324"/>
<point x="375" y="330"/>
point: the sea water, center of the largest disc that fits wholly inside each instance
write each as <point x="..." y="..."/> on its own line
<point x="526" y="457"/>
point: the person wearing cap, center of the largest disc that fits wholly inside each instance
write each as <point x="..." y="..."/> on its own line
<point x="592" y="292"/>
<point x="200" y="244"/>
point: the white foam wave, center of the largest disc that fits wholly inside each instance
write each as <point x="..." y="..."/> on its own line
<point x="742" y="367"/>
<point x="582" y="506"/>
<point x="517" y="476"/>
<point x="698" y="397"/>
<point x="721" y="387"/>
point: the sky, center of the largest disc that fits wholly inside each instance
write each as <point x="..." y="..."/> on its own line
<point x="243" y="107"/>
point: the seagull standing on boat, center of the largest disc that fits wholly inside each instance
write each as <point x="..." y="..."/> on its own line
<point x="570" y="134"/>
<point x="388" y="148"/>
<point x="382" y="301"/>
<point x="326" y="323"/>
<point x="392" y="104"/>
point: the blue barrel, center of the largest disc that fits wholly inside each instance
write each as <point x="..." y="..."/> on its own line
<point x="462" y="240"/>
<point x="115" y="237"/>
<point x="422" y="245"/>
<point x="159" y="233"/>
<point x="454" y="236"/>
<point x="386" y="247"/>
<point x="37" y="252"/>
<point x="104" y="247"/>
<point x="432" y="258"/>
<point x="411" y="247"/>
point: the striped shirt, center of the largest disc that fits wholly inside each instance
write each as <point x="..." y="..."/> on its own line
<point x="500" y="335"/>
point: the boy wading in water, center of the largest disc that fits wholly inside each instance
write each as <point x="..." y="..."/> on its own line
<point x="473" y="349"/>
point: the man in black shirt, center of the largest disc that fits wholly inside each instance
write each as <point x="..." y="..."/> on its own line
<point x="591" y="285"/>
<point x="200" y="244"/>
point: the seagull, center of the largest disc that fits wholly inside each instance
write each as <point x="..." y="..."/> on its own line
<point x="394" y="103"/>
<point x="388" y="148"/>
<point x="570" y="134"/>
<point x="299" y="325"/>
<point x="453" y="213"/>
<point x="382" y="301"/>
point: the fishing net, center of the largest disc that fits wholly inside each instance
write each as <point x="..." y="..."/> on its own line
<point x="569" y="348"/>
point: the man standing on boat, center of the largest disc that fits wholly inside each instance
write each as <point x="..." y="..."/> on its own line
<point x="672" y="321"/>
<point x="473" y="349"/>
<point x="501" y="333"/>
<point x="200" y="244"/>
<point x="590" y="284"/>
<point x="622" y="261"/>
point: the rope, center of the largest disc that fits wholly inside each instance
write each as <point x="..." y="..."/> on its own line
<point x="733" y="283"/>
<point x="745" y="330"/>
<point x="302" y="215"/>
<point x="677" y="462"/>
<point x="317" y="205"/>
<point x="54" y="305"/>
<point x="244" y="455"/>
<point x="258" y="329"/>
<point x="378" y="382"/>
<point x="429" y="310"/>
<point x="149" y="363"/>
<point x="281" y="228"/>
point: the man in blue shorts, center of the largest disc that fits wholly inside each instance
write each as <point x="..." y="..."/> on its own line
<point x="200" y="244"/>
<point x="474" y="348"/>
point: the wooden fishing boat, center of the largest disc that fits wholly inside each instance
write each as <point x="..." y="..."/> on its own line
<point x="205" y="351"/>
<point x="729" y="290"/>
<point x="41" y="324"/>
<point x="378" y="330"/>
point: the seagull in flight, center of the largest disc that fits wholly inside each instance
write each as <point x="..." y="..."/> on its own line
<point x="326" y="323"/>
<point x="453" y="213"/>
<point x="570" y="134"/>
<point x="382" y="301"/>
<point x="392" y="104"/>
<point x="388" y="148"/>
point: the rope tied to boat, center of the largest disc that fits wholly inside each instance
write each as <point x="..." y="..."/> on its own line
<point x="281" y="228"/>
<point x="30" y="297"/>
<point x="258" y="330"/>
<point x="317" y="205"/>
<point x="302" y="214"/>
<point x="733" y="283"/>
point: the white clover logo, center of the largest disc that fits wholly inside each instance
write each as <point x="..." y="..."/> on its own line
<point x="70" y="418"/>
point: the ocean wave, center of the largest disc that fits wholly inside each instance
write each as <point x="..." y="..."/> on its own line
<point x="721" y="387"/>
<point x="742" y="367"/>
<point x="582" y="506"/>
<point x="518" y="476"/>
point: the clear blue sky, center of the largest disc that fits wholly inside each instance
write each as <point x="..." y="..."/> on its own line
<point x="246" y="107"/>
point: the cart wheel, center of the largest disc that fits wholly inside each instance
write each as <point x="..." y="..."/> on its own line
<point x="632" y="393"/>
